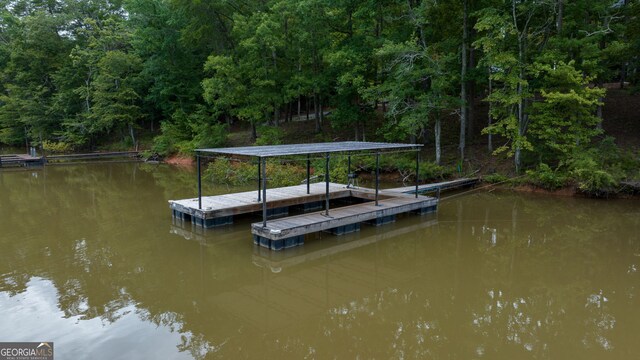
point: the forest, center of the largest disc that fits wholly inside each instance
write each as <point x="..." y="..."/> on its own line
<point x="530" y="75"/>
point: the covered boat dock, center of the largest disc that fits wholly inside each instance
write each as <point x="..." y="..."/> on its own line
<point x="372" y="206"/>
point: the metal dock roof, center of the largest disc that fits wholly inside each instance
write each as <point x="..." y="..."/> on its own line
<point x="312" y="148"/>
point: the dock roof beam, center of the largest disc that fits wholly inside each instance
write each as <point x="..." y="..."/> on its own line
<point x="199" y="182"/>
<point x="264" y="192"/>
<point x="326" y="180"/>
<point x="313" y="148"/>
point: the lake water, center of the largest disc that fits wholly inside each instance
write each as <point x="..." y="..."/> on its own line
<point x="91" y="260"/>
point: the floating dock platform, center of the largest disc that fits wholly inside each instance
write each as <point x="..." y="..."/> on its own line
<point x="219" y="210"/>
<point x="288" y="231"/>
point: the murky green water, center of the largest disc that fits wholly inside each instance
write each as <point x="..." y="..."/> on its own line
<point x="91" y="260"/>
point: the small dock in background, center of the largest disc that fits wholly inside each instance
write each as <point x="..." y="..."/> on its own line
<point x="21" y="160"/>
<point x="33" y="160"/>
<point x="93" y="156"/>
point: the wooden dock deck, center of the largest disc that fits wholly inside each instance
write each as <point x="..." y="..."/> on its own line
<point x="290" y="231"/>
<point x="224" y="206"/>
<point x="24" y="160"/>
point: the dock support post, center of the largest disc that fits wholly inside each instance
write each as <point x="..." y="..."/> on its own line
<point x="259" y="181"/>
<point x="326" y="180"/>
<point x="199" y="182"/>
<point x="264" y="192"/>
<point x="417" y="170"/>
<point x="377" y="176"/>
<point x="349" y="169"/>
<point x="308" y="172"/>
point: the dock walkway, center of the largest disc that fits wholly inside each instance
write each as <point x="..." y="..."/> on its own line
<point x="93" y="156"/>
<point x="445" y="185"/>
<point x="290" y="231"/>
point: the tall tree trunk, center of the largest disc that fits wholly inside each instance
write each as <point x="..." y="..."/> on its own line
<point x="317" y="114"/>
<point x="471" y="93"/>
<point x="599" y="109"/>
<point x="133" y="136"/>
<point x="560" y="16"/>
<point x="276" y="107"/>
<point x="463" y="81"/>
<point x="299" y="106"/>
<point x="87" y="96"/>
<point x="520" y="114"/>
<point x="520" y="91"/>
<point x="437" y="132"/>
<point x="489" y="116"/>
<point x="321" y="110"/>
<point x="254" y="131"/>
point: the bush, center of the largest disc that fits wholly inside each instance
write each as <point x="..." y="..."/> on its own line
<point x="495" y="178"/>
<point x="56" y="147"/>
<point x="433" y="171"/>
<point x="269" y="135"/>
<point x="547" y="178"/>
<point x="187" y="132"/>
<point x="591" y="176"/>
<point x="224" y="171"/>
<point x="405" y="164"/>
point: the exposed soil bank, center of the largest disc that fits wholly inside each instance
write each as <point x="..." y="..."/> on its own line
<point x="180" y="160"/>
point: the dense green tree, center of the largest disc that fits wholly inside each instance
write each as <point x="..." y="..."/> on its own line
<point x="89" y="72"/>
<point x="418" y="82"/>
<point x="565" y="119"/>
<point x="33" y="50"/>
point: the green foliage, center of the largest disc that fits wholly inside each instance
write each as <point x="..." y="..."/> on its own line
<point x="56" y="147"/>
<point x="338" y="168"/>
<point x="495" y="178"/>
<point x="547" y="178"/>
<point x="565" y="118"/>
<point x="86" y="73"/>
<point x="432" y="171"/>
<point x="598" y="169"/>
<point x="224" y="171"/>
<point x="595" y="170"/>
<point x="190" y="132"/>
<point x="270" y="135"/>
<point x="590" y="175"/>
<point x="419" y="87"/>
